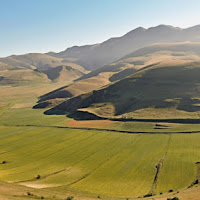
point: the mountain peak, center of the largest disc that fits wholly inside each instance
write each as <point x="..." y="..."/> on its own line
<point x="137" y="30"/>
<point x="164" y="27"/>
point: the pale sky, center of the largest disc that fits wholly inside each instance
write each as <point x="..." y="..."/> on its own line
<point x="53" y="25"/>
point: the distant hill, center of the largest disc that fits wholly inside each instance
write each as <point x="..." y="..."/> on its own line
<point x="56" y="69"/>
<point x="92" y="57"/>
<point x="172" y="86"/>
<point x="21" y="76"/>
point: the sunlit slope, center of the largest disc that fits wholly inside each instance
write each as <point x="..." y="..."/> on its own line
<point x="125" y="67"/>
<point x="168" y="86"/>
<point x="35" y="60"/>
<point x="56" y="69"/>
<point x="22" y="76"/>
<point x="75" y="89"/>
<point x="149" y="55"/>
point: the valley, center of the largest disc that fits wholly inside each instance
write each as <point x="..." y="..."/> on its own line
<point x="123" y="125"/>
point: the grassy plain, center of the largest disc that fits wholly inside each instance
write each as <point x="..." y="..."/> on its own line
<point x="88" y="163"/>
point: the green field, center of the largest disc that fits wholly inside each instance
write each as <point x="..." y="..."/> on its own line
<point x="90" y="162"/>
<point x="98" y="162"/>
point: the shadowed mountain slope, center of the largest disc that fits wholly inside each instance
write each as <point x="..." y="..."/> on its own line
<point x="125" y="67"/>
<point x="172" y="84"/>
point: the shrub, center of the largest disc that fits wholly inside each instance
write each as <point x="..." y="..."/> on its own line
<point x="29" y="194"/>
<point x="175" y="198"/>
<point x="70" y="198"/>
<point x="148" y="195"/>
<point x="38" y="177"/>
<point x="42" y="197"/>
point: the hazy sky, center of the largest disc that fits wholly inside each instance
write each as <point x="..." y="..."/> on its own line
<point x="53" y="25"/>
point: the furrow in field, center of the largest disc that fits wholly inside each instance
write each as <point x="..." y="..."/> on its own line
<point x="38" y="154"/>
<point x="158" y="170"/>
<point x="24" y="138"/>
<point x="84" y="166"/>
<point x="53" y="162"/>
<point x="7" y="107"/>
<point x="179" y="169"/>
<point x="130" y="172"/>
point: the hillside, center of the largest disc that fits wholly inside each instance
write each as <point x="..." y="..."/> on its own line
<point x="21" y="76"/>
<point x="171" y="86"/>
<point x="80" y="87"/>
<point x="56" y="69"/>
<point x="149" y="55"/>
<point x="124" y="67"/>
<point x="63" y="73"/>
<point x="95" y="56"/>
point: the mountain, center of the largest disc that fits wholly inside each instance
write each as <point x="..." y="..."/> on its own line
<point x="122" y="68"/>
<point x="170" y="87"/>
<point x="92" y="57"/>
<point x="148" y="55"/>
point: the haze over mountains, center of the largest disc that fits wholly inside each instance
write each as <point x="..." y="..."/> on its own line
<point x="128" y="65"/>
<point x="95" y="56"/>
<point x="99" y="77"/>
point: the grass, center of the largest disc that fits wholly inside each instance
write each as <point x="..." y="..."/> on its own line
<point x="96" y="162"/>
<point x="180" y="168"/>
<point x="5" y="107"/>
<point x="82" y="157"/>
<point x="130" y="175"/>
<point x="88" y="163"/>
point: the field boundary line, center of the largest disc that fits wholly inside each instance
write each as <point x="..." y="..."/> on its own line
<point x="108" y="130"/>
<point x="158" y="169"/>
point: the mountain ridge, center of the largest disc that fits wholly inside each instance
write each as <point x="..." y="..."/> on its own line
<point x="97" y="55"/>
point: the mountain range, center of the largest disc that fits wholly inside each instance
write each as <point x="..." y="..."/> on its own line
<point x="141" y="72"/>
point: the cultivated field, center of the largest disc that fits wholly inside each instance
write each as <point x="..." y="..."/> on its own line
<point x="55" y="156"/>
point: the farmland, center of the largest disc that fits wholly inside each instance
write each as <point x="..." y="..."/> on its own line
<point x="52" y="155"/>
<point x="96" y="161"/>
